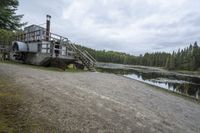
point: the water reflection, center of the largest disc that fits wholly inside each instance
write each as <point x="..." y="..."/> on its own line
<point x="184" y="85"/>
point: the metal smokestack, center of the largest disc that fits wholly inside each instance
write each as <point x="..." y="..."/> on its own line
<point x="48" y="21"/>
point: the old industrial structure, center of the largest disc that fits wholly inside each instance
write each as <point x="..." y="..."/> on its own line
<point x="38" y="46"/>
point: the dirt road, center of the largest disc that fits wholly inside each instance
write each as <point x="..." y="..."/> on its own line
<point x="97" y="102"/>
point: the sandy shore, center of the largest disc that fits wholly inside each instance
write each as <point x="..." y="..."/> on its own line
<point x="97" y="102"/>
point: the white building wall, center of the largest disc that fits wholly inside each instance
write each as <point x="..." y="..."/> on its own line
<point x="33" y="47"/>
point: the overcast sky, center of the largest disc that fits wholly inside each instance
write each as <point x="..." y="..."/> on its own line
<point x="132" y="26"/>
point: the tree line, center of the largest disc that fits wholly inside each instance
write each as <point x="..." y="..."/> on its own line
<point x="185" y="59"/>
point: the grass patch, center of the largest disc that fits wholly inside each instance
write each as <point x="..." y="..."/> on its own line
<point x="10" y="102"/>
<point x="32" y="66"/>
<point x="188" y="72"/>
<point x="15" y="111"/>
<point x="73" y="70"/>
<point x="3" y="94"/>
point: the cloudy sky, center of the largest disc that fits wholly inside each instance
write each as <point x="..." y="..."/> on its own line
<point x="132" y="26"/>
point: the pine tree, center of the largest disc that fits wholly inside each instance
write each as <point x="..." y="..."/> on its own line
<point x="167" y="62"/>
<point x="8" y="18"/>
<point x="172" y="63"/>
<point x="196" y="56"/>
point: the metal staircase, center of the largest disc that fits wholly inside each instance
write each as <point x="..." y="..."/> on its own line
<point x="87" y="60"/>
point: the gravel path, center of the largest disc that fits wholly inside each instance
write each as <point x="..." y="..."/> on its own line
<point x="97" y="102"/>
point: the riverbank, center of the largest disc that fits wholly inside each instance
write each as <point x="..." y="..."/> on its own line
<point x="92" y="101"/>
<point x="148" y="69"/>
<point x="183" y="84"/>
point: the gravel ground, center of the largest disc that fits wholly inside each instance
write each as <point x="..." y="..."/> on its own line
<point x="97" y="102"/>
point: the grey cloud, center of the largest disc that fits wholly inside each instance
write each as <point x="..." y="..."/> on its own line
<point x="135" y="26"/>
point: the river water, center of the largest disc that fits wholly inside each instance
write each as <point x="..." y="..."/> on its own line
<point x="182" y="84"/>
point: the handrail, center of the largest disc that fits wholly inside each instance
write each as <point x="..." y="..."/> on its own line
<point x="39" y="35"/>
<point x="89" y="55"/>
<point x="84" y="54"/>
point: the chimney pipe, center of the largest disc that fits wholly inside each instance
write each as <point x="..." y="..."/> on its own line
<point x="48" y="18"/>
